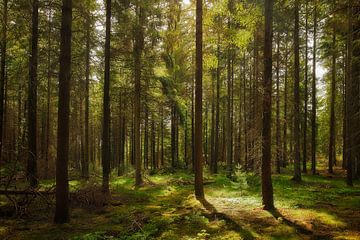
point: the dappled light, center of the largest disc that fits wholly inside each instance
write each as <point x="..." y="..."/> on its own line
<point x="179" y="120"/>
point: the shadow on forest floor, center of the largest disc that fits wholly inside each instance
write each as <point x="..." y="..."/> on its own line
<point x="321" y="207"/>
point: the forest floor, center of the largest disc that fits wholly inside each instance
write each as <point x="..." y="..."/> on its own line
<point x="321" y="207"/>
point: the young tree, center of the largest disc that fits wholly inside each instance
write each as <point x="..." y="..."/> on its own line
<point x="62" y="185"/>
<point x="199" y="189"/>
<point x="267" y="188"/>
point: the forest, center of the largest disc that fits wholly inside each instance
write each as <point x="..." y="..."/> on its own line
<point x="179" y="119"/>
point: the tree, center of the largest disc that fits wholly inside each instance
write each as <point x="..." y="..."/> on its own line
<point x="2" y="71"/>
<point x="278" y="149"/>
<point x="85" y="169"/>
<point x="32" y="98"/>
<point x="137" y="51"/>
<point x="199" y="189"/>
<point x="267" y="188"/>
<point x="332" y="153"/>
<point x="313" y="96"/>
<point x="297" y="165"/>
<point x="106" y="105"/>
<point x="62" y="185"/>
<point x="306" y="93"/>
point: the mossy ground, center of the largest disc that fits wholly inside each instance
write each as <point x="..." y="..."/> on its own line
<point x="321" y="207"/>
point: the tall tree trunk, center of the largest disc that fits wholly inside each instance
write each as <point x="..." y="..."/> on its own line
<point x="306" y="98"/>
<point x="278" y="148"/>
<point x="297" y="165"/>
<point x="198" y="167"/>
<point x="285" y="133"/>
<point x="314" y="103"/>
<point x="228" y="119"/>
<point x="62" y="185"/>
<point x="332" y="102"/>
<point x="32" y="98"/>
<point x="138" y="49"/>
<point x="267" y="188"/>
<point x="85" y="171"/>
<point x="217" y="117"/>
<point x="106" y="106"/>
<point x="48" y="106"/>
<point x="2" y="71"/>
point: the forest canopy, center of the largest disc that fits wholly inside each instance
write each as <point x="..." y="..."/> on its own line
<point x="180" y="119"/>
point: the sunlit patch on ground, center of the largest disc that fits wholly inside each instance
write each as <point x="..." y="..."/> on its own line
<point x="166" y="208"/>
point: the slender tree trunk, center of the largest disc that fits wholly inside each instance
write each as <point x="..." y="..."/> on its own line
<point x="285" y="133"/>
<point x="297" y="165"/>
<point x="228" y="119"/>
<point x="32" y="98"/>
<point x="267" y="188"/>
<point x="173" y="137"/>
<point x="106" y="106"/>
<point x="314" y="103"/>
<point x="332" y="104"/>
<point x="85" y="171"/>
<point x="162" y="138"/>
<point x="198" y="167"/>
<point x="48" y="106"/>
<point x="62" y="185"/>
<point x="2" y="71"/>
<point x="186" y="140"/>
<point x="138" y="49"/>
<point x="217" y="117"/>
<point x="146" y="138"/>
<point x="306" y="98"/>
<point x="212" y="126"/>
<point x="278" y="147"/>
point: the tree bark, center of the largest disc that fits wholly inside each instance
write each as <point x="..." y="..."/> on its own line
<point x="331" y="152"/>
<point x="297" y="165"/>
<point x="306" y="98"/>
<point x="106" y="106"/>
<point x="198" y="167"/>
<point x="2" y="71"/>
<point x="138" y="49"/>
<point x="62" y="185"/>
<point x="278" y="148"/>
<point x="267" y="188"/>
<point x="32" y="98"/>
<point x="314" y="103"/>
<point x="85" y="171"/>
